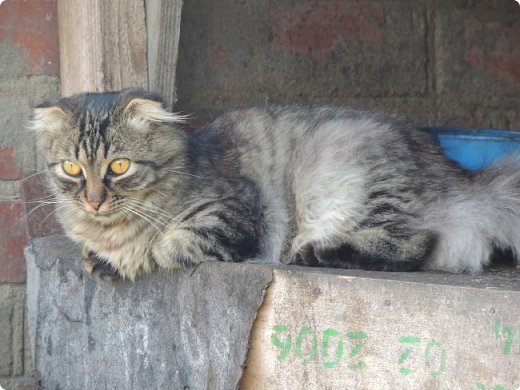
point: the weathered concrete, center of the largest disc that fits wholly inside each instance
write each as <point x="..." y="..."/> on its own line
<point x="317" y="331"/>
<point x="249" y="52"/>
<point x="477" y="48"/>
<point x="19" y="383"/>
<point x="17" y="99"/>
<point x="441" y="63"/>
<point x="11" y="329"/>
<point x="406" y="331"/>
<point x="181" y="331"/>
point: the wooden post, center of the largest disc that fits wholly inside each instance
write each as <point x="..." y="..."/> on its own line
<point x="163" y="19"/>
<point x="102" y="45"/>
<point x="110" y="45"/>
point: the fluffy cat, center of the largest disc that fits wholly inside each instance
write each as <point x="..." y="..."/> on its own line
<point x="309" y="185"/>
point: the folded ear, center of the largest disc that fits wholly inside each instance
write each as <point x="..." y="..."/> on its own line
<point x="47" y="119"/>
<point x="141" y="112"/>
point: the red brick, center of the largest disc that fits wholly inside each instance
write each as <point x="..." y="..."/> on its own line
<point x="13" y="238"/>
<point x="8" y="167"/>
<point x="314" y="29"/>
<point x="41" y="216"/>
<point x="32" y="26"/>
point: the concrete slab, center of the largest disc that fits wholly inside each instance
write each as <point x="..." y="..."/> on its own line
<point x="179" y="331"/>
<point x="324" y="331"/>
<point x="291" y="327"/>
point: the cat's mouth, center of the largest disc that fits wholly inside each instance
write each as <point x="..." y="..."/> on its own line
<point x="108" y="209"/>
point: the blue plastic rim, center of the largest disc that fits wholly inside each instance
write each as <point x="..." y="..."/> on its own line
<point x="474" y="148"/>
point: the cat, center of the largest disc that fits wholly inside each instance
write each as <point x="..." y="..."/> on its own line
<point x="318" y="186"/>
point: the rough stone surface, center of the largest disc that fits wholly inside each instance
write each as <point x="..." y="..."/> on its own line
<point x="193" y="330"/>
<point x="287" y="51"/>
<point x="477" y="49"/>
<point x="165" y="331"/>
<point x="13" y="237"/>
<point x="322" y="330"/>
<point x="6" y="329"/>
<point x="440" y="63"/>
<point x="19" y="383"/>
<point x="28" y="75"/>
<point x="31" y="27"/>
<point x="12" y="304"/>
<point x="9" y="190"/>
<point x="17" y="98"/>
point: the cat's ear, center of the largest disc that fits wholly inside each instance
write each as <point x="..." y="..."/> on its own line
<point x="142" y="112"/>
<point x="47" y="119"/>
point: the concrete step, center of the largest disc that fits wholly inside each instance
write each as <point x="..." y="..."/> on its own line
<point x="251" y="326"/>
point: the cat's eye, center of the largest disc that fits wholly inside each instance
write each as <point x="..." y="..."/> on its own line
<point x="119" y="166"/>
<point x="71" y="168"/>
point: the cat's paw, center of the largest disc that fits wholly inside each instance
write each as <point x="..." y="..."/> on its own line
<point x="304" y="255"/>
<point x="99" y="269"/>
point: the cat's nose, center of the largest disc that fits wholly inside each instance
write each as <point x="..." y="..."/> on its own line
<point x="95" y="197"/>
<point x="95" y="204"/>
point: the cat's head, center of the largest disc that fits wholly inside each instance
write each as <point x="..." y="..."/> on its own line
<point x="107" y="150"/>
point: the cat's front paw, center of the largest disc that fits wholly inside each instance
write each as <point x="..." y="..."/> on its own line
<point x="99" y="269"/>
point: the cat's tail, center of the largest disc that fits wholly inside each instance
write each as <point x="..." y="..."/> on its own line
<point x="472" y="221"/>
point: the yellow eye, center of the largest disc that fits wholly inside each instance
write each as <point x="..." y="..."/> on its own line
<point x="71" y="168"/>
<point x="119" y="166"/>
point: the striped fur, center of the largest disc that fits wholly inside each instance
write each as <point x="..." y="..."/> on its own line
<point x="310" y="185"/>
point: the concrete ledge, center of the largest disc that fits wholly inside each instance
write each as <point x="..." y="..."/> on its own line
<point x="290" y="327"/>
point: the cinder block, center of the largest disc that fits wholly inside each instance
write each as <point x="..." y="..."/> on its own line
<point x="484" y="113"/>
<point x="284" y="50"/>
<point x="477" y="48"/>
<point x="421" y="111"/>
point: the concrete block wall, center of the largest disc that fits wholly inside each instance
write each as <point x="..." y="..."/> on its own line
<point x="29" y="68"/>
<point x="439" y="62"/>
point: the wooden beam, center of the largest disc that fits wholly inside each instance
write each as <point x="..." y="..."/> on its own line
<point x="163" y="19"/>
<point x="102" y="45"/>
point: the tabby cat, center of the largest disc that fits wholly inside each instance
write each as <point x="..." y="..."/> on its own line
<point x="308" y="185"/>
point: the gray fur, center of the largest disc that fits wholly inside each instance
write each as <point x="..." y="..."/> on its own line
<point x="311" y="185"/>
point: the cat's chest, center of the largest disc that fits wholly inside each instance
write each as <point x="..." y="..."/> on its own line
<point x="112" y="240"/>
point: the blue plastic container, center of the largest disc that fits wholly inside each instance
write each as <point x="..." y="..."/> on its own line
<point x="475" y="148"/>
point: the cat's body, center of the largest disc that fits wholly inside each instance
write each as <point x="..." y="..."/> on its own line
<point x="313" y="185"/>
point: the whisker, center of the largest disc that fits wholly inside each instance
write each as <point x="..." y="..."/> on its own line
<point x="28" y="177"/>
<point x="146" y="206"/>
<point x="183" y="173"/>
<point x="42" y="204"/>
<point x="56" y="210"/>
<point x="143" y="216"/>
<point x="158" y="192"/>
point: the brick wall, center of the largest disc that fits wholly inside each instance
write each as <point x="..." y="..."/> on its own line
<point x="29" y="68"/>
<point x="439" y="62"/>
